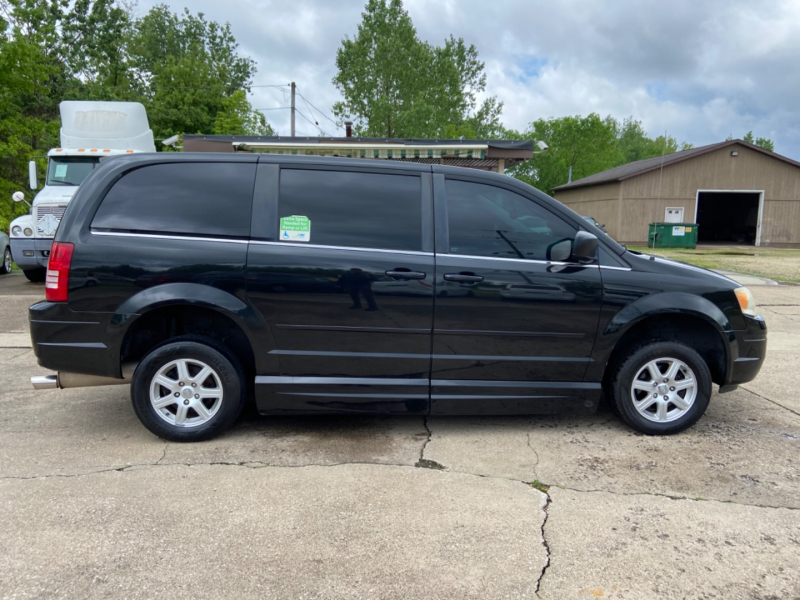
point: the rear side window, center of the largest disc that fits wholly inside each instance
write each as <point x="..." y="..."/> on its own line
<point x="340" y="208"/>
<point x="212" y="199"/>
<point x="489" y="221"/>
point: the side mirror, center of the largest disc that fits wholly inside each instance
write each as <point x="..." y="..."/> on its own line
<point x="19" y="197"/>
<point x="584" y="249"/>
<point x="33" y="176"/>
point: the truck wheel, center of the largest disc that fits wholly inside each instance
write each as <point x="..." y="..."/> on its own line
<point x="188" y="391"/>
<point x="35" y="275"/>
<point x="5" y="265"/>
<point x="661" y="388"/>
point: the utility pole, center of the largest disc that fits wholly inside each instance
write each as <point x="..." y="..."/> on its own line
<point x="293" y="109"/>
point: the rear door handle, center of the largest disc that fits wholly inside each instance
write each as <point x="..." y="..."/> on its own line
<point x="463" y="277"/>
<point x="405" y="274"/>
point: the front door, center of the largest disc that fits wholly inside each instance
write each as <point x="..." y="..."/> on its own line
<point x="346" y="286"/>
<point x="514" y="320"/>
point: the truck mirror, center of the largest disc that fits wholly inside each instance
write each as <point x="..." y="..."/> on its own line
<point x="19" y="197"/>
<point x="33" y="176"/>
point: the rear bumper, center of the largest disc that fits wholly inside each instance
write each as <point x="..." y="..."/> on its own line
<point x="37" y="251"/>
<point x="748" y="348"/>
<point x="64" y="340"/>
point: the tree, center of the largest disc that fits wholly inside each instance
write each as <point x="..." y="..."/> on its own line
<point x="184" y="67"/>
<point x="761" y="142"/>
<point x="237" y="117"/>
<point x="635" y="145"/>
<point x="395" y="85"/>
<point x="587" y="144"/>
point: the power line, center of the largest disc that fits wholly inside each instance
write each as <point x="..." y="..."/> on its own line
<point x="318" y="110"/>
<point x="299" y="112"/>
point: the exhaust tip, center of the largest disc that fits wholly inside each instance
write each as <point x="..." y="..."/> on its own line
<point x="44" y="382"/>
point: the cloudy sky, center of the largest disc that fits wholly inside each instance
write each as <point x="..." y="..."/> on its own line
<point x="700" y="70"/>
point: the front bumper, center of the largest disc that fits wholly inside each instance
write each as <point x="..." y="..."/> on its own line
<point x="31" y="253"/>
<point x="748" y="349"/>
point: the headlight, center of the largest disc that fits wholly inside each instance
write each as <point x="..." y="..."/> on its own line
<point x="16" y="230"/>
<point x="746" y="301"/>
<point x="28" y="231"/>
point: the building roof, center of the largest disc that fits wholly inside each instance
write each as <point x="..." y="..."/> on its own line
<point x="408" y="142"/>
<point x="651" y="164"/>
<point x="478" y="154"/>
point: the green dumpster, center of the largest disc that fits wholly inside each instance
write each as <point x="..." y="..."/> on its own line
<point x="672" y="235"/>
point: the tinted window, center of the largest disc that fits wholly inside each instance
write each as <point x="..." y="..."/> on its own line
<point x="189" y="198"/>
<point x="489" y="221"/>
<point x="364" y="210"/>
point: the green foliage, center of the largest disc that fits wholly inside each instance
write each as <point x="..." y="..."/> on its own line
<point x="237" y="117"/>
<point x="587" y="144"/>
<point x="761" y="142"/>
<point x="184" y="69"/>
<point x="396" y="85"/>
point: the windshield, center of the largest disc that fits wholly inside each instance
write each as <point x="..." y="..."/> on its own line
<point x="70" y="170"/>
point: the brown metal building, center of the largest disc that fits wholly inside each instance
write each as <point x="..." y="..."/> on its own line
<point x="738" y="193"/>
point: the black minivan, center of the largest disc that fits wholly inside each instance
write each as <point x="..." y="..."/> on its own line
<point x="340" y="285"/>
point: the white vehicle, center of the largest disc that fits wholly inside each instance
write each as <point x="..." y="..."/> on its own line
<point x="90" y="133"/>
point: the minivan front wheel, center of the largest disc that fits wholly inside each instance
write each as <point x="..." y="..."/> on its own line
<point x="661" y="388"/>
<point x="187" y="391"/>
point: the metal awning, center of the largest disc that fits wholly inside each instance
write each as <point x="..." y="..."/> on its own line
<point x="365" y="150"/>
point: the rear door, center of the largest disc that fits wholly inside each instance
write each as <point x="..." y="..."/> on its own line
<point x="341" y="267"/>
<point x="514" y="321"/>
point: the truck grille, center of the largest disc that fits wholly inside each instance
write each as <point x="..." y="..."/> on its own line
<point x="48" y="218"/>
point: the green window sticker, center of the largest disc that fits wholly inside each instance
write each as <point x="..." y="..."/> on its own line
<point x="61" y="171"/>
<point x="295" y="229"/>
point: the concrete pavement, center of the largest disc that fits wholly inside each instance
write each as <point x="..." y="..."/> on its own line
<point x="332" y="507"/>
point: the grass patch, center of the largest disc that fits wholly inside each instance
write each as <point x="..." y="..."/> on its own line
<point x="780" y="264"/>
<point x="538" y="485"/>
<point x="424" y="463"/>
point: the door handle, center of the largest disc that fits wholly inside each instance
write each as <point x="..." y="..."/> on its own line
<point x="405" y="274"/>
<point x="463" y="277"/>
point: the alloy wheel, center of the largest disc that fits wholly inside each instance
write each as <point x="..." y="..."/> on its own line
<point x="664" y="390"/>
<point x="186" y="393"/>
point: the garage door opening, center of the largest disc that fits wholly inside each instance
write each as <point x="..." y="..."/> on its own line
<point x="727" y="217"/>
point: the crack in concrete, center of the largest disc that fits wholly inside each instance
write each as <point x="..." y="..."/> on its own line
<point x="670" y="497"/>
<point x="427" y="440"/>
<point x="546" y="545"/>
<point x="166" y="445"/>
<point x="794" y="412"/>
<point x="262" y="465"/>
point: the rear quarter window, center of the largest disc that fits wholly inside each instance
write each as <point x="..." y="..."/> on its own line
<point x="206" y="199"/>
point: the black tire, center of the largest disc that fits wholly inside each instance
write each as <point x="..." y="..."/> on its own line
<point x="5" y="262"/>
<point x="227" y="375"/>
<point x="636" y="360"/>
<point x="35" y="275"/>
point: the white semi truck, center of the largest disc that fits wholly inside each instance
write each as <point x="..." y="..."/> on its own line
<point x="90" y="133"/>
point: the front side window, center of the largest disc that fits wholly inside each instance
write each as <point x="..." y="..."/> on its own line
<point x="341" y="208"/>
<point x="209" y="199"/>
<point x="489" y="221"/>
<point x="68" y="170"/>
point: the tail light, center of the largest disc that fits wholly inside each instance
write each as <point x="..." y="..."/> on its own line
<point x="57" y="282"/>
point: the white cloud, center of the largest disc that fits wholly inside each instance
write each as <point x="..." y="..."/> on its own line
<point x="699" y="70"/>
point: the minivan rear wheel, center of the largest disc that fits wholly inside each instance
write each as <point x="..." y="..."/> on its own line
<point x="188" y="391"/>
<point x="661" y="388"/>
